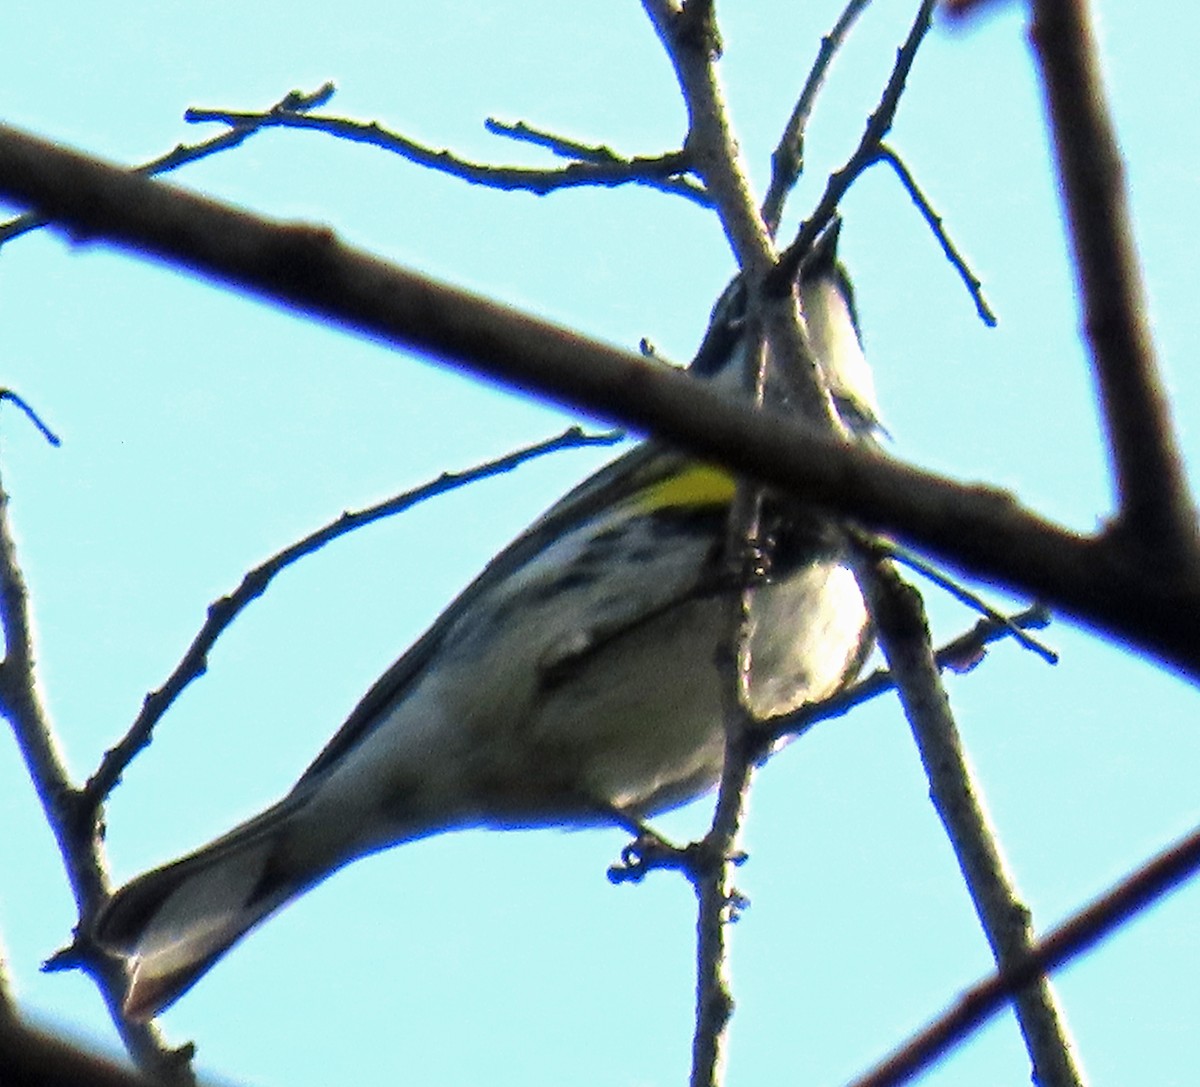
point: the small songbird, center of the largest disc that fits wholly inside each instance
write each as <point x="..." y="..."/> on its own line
<point x="573" y="682"/>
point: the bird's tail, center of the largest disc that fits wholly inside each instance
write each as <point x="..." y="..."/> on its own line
<point x="173" y="923"/>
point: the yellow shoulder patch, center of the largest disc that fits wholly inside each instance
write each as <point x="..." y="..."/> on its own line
<point x="696" y="485"/>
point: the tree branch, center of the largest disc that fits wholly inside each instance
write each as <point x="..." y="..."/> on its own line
<point x="978" y="529"/>
<point x="222" y="613"/>
<point x="688" y="36"/>
<point x="692" y="43"/>
<point x="879" y="124"/>
<point x="182" y="154"/>
<point x="654" y="171"/>
<point x="718" y="899"/>
<point x="787" y="160"/>
<point x="711" y="872"/>
<point x="936" y="224"/>
<point x="904" y="636"/>
<point x="598" y="153"/>
<point x="78" y="839"/>
<point x="960" y="593"/>
<point x="1141" y="889"/>
<point x="1155" y="507"/>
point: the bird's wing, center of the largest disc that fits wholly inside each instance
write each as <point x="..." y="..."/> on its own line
<point x="638" y="469"/>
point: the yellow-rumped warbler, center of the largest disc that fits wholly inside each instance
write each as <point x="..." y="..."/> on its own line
<point x="573" y="680"/>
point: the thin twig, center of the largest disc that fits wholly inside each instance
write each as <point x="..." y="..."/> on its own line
<point x="564" y="147"/>
<point x="31" y="415"/>
<point x="960" y="593"/>
<point x="718" y="906"/>
<point x="691" y="40"/>
<point x="78" y="839"/>
<point x="688" y="37"/>
<point x="183" y="154"/>
<point x="221" y="613"/>
<point x="879" y="124"/>
<point x="1147" y="884"/>
<point x="718" y="901"/>
<point x="935" y="222"/>
<point x="903" y="633"/>
<point x="1154" y="502"/>
<point x="692" y="43"/>
<point x="787" y="160"/>
<point x="652" y="170"/>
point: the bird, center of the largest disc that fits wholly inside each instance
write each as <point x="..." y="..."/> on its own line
<point x="573" y="683"/>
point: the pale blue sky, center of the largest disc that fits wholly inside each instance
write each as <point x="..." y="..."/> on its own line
<point x="203" y="431"/>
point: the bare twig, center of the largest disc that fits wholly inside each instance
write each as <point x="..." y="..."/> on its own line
<point x="31" y="415"/>
<point x="977" y="529"/>
<point x="1155" y="507"/>
<point x="78" y="839"/>
<point x="787" y="160"/>
<point x="567" y="148"/>
<point x="23" y="716"/>
<point x="182" y="154"/>
<point x="1139" y="890"/>
<point x="221" y="613"/>
<point x="717" y="899"/>
<point x="562" y="146"/>
<point x="653" y="170"/>
<point x="903" y="634"/>
<point x="937" y="225"/>
<point x="879" y="124"/>
<point x="960" y="593"/>
<point x="690" y="38"/>
<point x="718" y="906"/>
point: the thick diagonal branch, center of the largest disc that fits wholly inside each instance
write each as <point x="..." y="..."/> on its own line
<point x="978" y="529"/>
<point x="1155" y="508"/>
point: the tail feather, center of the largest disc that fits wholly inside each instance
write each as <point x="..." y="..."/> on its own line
<point x="172" y="924"/>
